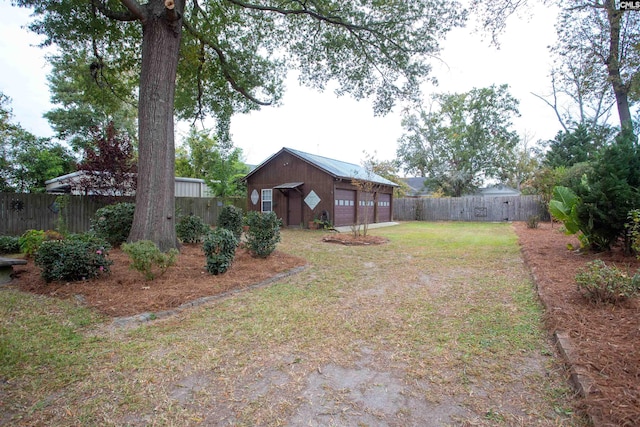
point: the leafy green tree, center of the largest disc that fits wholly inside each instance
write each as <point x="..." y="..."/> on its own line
<point x="28" y="161"/>
<point x="90" y="95"/>
<point x="218" y="57"/>
<point x="462" y="142"/>
<point x="203" y="156"/>
<point x="525" y="161"/>
<point x="576" y="146"/>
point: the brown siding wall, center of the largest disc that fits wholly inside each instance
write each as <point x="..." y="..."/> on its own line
<point x="284" y="168"/>
<point x="287" y="168"/>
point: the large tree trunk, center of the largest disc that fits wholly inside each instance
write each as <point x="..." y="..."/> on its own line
<point x="154" y="217"/>
<point x="620" y="90"/>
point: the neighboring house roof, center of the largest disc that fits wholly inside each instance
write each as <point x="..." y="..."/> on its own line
<point x="498" y="190"/>
<point x="335" y="168"/>
<point x="416" y="186"/>
<point x="185" y="187"/>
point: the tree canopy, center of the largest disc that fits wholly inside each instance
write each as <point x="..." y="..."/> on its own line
<point x="465" y="138"/>
<point x="220" y="165"/>
<point x="28" y="161"/>
<point x="220" y="57"/>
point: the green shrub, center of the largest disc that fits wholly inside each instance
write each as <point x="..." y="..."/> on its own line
<point x="610" y="191"/>
<point x="633" y="231"/>
<point x="263" y="234"/>
<point x="219" y="248"/>
<point x="533" y="221"/>
<point x="231" y="219"/>
<point x="600" y="283"/>
<point x="9" y="245"/>
<point x="72" y="259"/>
<point x="146" y="257"/>
<point x="113" y="223"/>
<point x="191" y="229"/>
<point x="30" y="241"/>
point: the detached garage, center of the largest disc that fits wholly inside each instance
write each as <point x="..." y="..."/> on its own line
<point x="300" y="187"/>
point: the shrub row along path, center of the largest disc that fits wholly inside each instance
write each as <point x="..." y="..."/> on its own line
<point x="440" y="325"/>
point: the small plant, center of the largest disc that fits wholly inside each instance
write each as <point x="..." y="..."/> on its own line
<point x="220" y="248"/>
<point x="533" y="221"/>
<point x="600" y="283"/>
<point x="633" y="231"/>
<point x="9" y="245"/>
<point x="231" y="218"/>
<point x="263" y="234"/>
<point x="191" y="229"/>
<point x="72" y="259"/>
<point x="30" y="241"/>
<point x="146" y="257"/>
<point x="113" y="222"/>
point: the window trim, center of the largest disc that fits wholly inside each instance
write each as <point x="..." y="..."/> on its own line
<point x="264" y="192"/>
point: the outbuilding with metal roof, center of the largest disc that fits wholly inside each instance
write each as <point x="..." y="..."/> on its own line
<point x="301" y="187"/>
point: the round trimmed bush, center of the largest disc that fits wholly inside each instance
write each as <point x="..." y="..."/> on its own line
<point x="75" y="258"/>
<point x="231" y="218"/>
<point x="9" y="245"/>
<point x="191" y="229"/>
<point x="220" y="248"/>
<point x="263" y="234"/>
<point x="113" y="223"/>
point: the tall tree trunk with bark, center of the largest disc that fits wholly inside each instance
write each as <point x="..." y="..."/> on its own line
<point x="620" y="89"/>
<point x="154" y="217"/>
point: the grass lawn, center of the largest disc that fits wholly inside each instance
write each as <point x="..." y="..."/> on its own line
<point x="441" y="325"/>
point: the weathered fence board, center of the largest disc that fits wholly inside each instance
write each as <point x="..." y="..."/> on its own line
<point x="21" y="211"/>
<point x="472" y="208"/>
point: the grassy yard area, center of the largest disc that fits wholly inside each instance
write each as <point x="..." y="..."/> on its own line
<point x="440" y="326"/>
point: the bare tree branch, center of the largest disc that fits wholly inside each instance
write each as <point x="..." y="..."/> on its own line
<point x="134" y="7"/>
<point x="112" y="14"/>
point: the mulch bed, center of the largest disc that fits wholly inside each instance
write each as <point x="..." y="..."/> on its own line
<point x="605" y="338"/>
<point x="125" y="292"/>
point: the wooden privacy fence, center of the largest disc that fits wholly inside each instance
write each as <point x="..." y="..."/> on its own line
<point x="472" y="208"/>
<point x="23" y="211"/>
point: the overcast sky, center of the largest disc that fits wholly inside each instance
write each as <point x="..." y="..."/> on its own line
<point x="321" y="123"/>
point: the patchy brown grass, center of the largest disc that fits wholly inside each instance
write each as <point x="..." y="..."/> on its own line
<point x="438" y="326"/>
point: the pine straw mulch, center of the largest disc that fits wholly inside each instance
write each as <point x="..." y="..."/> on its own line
<point x="605" y="338"/>
<point x="125" y="292"/>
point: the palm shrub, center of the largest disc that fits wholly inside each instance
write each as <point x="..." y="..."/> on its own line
<point x="77" y="257"/>
<point x="220" y="249"/>
<point x="113" y="222"/>
<point x="147" y="258"/>
<point x="191" y="229"/>
<point x="263" y="234"/>
<point x="231" y="218"/>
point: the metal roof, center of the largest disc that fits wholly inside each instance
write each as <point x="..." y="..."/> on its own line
<point x="336" y="168"/>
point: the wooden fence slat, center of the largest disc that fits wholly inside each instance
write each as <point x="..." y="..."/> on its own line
<point x="471" y="208"/>
<point x="20" y="212"/>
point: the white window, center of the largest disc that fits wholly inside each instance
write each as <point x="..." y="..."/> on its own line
<point x="267" y="200"/>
